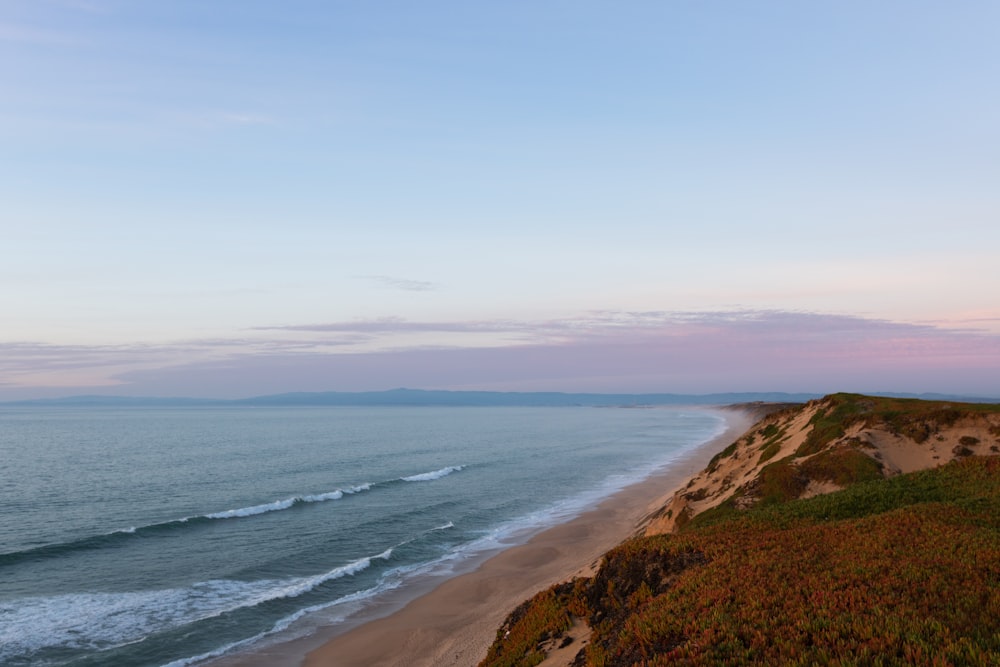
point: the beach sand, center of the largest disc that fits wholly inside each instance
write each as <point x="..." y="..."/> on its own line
<point x="451" y="622"/>
<point x="455" y="623"/>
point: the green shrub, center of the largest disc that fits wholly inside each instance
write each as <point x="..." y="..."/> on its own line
<point x="841" y="465"/>
<point x="780" y="482"/>
<point x="724" y="454"/>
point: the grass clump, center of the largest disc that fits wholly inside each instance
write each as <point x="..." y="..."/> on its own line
<point x="780" y="482"/>
<point x="724" y="454"/>
<point x="773" y="437"/>
<point x="843" y="466"/>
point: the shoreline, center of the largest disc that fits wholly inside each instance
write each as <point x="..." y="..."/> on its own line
<point x="453" y="620"/>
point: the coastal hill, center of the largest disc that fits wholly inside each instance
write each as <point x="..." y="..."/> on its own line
<point x="852" y="529"/>
<point x="829" y="444"/>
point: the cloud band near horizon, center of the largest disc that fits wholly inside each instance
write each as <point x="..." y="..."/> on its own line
<point x="681" y="352"/>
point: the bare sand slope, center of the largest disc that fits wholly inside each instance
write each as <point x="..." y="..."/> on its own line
<point x="916" y="445"/>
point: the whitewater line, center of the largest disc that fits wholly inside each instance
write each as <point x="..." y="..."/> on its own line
<point x="434" y="474"/>
<point x="98" y="541"/>
<point x="36" y="624"/>
<point x="278" y="505"/>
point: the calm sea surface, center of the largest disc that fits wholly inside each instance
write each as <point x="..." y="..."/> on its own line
<point x="171" y="535"/>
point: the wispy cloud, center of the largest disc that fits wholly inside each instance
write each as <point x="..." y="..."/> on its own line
<point x="34" y="364"/>
<point x="604" y="324"/>
<point x="405" y="284"/>
<point x="395" y="325"/>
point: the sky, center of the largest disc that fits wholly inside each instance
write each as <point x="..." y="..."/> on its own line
<point x="232" y="198"/>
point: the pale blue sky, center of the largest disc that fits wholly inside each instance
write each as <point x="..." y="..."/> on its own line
<point x="269" y="185"/>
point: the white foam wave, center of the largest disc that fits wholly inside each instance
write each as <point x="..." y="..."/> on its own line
<point x="102" y="621"/>
<point x="334" y="495"/>
<point x="434" y="474"/>
<point x="285" y="623"/>
<point x="297" y="587"/>
<point x="285" y="503"/>
<point x="275" y="506"/>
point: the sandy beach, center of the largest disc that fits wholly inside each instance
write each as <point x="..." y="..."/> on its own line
<point x="454" y="624"/>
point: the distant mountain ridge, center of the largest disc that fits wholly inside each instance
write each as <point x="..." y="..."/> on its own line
<point x="425" y="397"/>
<point x="431" y="397"/>
<point x="496" y="398"/>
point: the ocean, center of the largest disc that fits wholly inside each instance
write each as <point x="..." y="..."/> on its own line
<point x="170" y="536"/>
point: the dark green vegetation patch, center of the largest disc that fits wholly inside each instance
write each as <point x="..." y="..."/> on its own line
<point x="773" y="437"/>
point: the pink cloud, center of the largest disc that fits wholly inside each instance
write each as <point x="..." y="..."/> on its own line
<point x="653" y="351"/>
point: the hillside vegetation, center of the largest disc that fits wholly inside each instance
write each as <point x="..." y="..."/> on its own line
<point x="850" y="530"/>
<point x="829" y="444"/>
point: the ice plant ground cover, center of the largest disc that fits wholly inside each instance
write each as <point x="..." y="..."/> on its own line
<point x="898" y="571"/>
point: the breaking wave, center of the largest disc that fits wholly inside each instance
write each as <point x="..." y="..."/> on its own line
<point x="116" y="537"/>
<point x="284" y="504"/>
<point x="434" y="474"/>
<point x="104" y="621"/>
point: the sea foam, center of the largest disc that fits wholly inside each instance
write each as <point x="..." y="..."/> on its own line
<point x="434" y="474"/>
<point x="108" y="539"/>
<point x="283" y="624"/>
<point x="283" y="504"/>
<point x="103" y="621"/>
